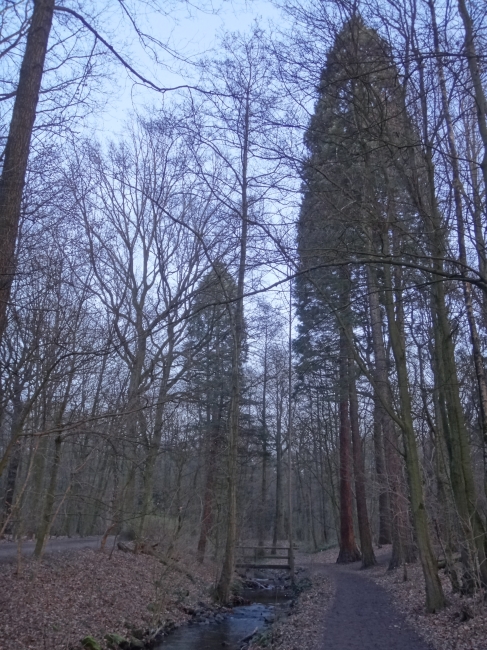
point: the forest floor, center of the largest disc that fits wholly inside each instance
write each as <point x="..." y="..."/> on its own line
<point x="350" y="609"/>
<point x="54" y="603"/>
<point x="462" y="625"/>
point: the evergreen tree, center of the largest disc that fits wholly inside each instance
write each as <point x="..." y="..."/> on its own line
<point x="211" y="348"/>
<point x="329" y="233"/>
<point x="353" y="196"/>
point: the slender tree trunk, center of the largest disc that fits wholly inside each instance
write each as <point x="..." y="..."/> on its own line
<point x="224" y="584"/>
<point x="435" y="599"/>
<point x="319" y="469"/>
<point x="13" y="466"/>
<point x="348" y="548"/>
<point x="444" y="497"/>
<point x="366" y="548"/>
<point x="331" y="421"/>
<point x="208" y="498"/>
<point x="457" y="196"/>
<point x="278" y="503"/>
<point x="472" y="149"/>
<point x="290" y="438"/>
<point x="18" y="145"/>
<point x="263" y="483"/>
<point x="37" y="484"/>
<point x="154" y="445"/>
<point x="475" y="74"/>
<point x="384" y="536"/>
<point x="399" y="519"/>
<point x="88" y="516"/>
<point x="461" y="473"/>
<point x="45" y="524"/>
<point x="148" y="483"/>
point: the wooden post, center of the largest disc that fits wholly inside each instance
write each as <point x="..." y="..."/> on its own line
<point x="290" y="555"/>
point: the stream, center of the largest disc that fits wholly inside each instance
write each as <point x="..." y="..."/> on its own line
<point x="233" y="627"/>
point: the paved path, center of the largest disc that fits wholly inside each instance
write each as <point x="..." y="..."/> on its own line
<point x="8" y="550"/>
<point x="362" y="616"/>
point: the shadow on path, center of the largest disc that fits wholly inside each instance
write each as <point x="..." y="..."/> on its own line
<point x="362" y="616"/>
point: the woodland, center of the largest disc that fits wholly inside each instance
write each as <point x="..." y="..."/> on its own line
<point x="260" y="312"/>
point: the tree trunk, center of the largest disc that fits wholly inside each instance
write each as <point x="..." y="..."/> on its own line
<point x="224" y="584"/>
<point x="384" y="536"/>
<point x="435" y="599"/>
<point x="398" y="514"/>
<point x="348" y="548"/>
<point x="18" y="145"/>
<point x="319" y="469"/>
<point x="403" y="548"/>
<point x="461" y="473"/>
<point x="475" y="74"/>
<point x="207" y="514"/>
<point x="278" y="503"/>
<point x="154" y="445"/>
<point x="13" y="468"/>
<point x="38" y="473"/>
<point x="457" y="195"/>
<point x="368" y="557"/>
<point x="45" y="525"/>
<point x="263" y="483"/>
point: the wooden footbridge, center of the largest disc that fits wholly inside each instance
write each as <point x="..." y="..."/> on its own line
<point x="257" y="557"/>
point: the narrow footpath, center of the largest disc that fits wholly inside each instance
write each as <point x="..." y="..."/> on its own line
<point x="10" y="550"/>
<point x="362" y="616"/>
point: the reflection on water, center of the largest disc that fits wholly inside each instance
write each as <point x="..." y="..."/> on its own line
<point x="234" y="628"/>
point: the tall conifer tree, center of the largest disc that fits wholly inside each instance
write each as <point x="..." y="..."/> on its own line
<point x="352" y="192"/>
<point x="211" y="348"/>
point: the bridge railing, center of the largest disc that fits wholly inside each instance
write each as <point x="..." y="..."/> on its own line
<point x="257" y="557"/>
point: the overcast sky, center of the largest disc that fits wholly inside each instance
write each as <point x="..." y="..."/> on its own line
<point x="190" y="32"/>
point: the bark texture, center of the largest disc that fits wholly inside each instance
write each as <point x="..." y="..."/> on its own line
<point x="366" y="548"/>
<point x="348" y="547"/>
<point x="18" y="145"/>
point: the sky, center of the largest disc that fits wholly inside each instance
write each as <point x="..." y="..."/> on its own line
<point x="189" y="31"/>
<point x="192" y="33"/>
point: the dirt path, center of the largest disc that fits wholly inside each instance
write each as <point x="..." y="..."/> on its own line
<point x="9" y="550"/>
<point x="362" y="617"/>
<point x="345" y="609"/>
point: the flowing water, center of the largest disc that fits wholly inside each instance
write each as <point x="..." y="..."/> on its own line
<point x="233" y="628"/>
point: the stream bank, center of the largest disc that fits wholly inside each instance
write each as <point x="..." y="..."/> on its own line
<point x="302" y="627"/>
<point x="260" y="598"/>
<point x="112" y="597"/>
<point x="77" y="594"/>
<point x="233" y="629"/>
<point x="107" y="598"/>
